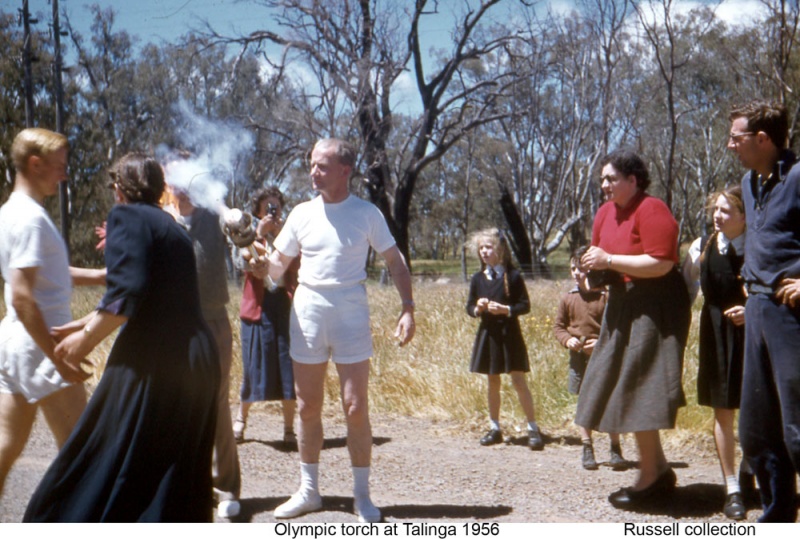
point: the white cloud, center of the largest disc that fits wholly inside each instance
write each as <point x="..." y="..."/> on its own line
<point x="732" y="12"/>
<point x="405" y="96"/>
<point x="741" y="12"/>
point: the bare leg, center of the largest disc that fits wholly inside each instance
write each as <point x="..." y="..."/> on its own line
<point x="726" y="443"/>
<point x="16" y="421"/>
<point x="586" y="434"/>
<point x="524" y="394"/>
<point x="652" y="462"/>
<point x="244" y="411"/>
<point x="288" y="407"/>
<point x="62" y="410"/>
<point x="494" y="396"/>
<point x="309" y="384"/>
<point x="354" y="381"/>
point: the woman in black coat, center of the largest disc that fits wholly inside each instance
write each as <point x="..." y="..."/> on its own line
<point x="142" y="449"/>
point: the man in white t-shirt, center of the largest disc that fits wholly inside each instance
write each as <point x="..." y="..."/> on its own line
<point x="37" y="289"/>
<point x="330" y="316"/>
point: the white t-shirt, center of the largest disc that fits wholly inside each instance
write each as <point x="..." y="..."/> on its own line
<point x="334" y="240"/>
<point x="28" y="239"/>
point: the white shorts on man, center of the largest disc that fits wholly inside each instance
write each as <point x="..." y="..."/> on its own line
<point x="30" y="239"/>
<point x="330" y="315"/>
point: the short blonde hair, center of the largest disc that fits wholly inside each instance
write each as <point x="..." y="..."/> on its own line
<point x="35" y="141"/>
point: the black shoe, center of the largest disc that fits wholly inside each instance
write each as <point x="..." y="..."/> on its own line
<point x="734" y="507"/>
<point x="747" y="484"/>
<point x="615" y="460"/>
<point x="626" y="498"/>
<point x="494" y="436"/>
<point x="535" y="441"/>
<point x="588" y="458"/>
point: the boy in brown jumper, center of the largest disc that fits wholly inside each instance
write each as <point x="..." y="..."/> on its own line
<point x="577" y="325"/>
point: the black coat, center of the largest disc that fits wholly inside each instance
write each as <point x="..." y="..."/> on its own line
<point x="142" y="449"/>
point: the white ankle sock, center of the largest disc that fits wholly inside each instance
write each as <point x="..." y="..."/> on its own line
<point x="732" y="484"/>
<point x="532" y="425"/>
<point x="494" y="424"/>
<point x="309" y="476"/>
<point x="361" y="482"/>
<point x="362" y="504"/>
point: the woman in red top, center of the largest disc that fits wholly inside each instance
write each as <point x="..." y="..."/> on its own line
<point x="633" y="383"/>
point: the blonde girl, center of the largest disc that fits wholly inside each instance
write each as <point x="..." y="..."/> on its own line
<point x="498" y="296"/>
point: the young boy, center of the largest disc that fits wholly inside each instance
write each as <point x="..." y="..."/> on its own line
<point x="576" y="327"/>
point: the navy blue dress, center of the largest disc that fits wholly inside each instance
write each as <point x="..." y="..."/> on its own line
<point x="721" y="357"/>
<point x="142" y="449"/>
<point x="499" y="346"/>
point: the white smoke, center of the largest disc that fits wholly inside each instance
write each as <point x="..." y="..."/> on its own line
<point x="218" y="152"/>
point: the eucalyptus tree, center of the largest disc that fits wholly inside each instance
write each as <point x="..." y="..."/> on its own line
<point x="704" y="93"/>
<point x="12" y="109"/>
<point x="569" y="101"/>
<point x="673" y="42"/>
<point x="12" y="95"/>
<point x="763" y="54"/>
<point x="357" y="50"/>
<point x="455" y="199"/>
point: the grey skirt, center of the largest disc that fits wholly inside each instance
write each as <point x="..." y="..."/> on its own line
<point x="633" y="381"/>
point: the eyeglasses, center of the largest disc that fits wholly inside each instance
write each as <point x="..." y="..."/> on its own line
<point x="609" y="178"/>
<point x="736" y="137"/>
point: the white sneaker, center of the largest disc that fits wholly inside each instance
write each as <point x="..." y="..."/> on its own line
<point x="301" y="502"/>
<point x="366" y="511"/>
<point x="228" y="509"/>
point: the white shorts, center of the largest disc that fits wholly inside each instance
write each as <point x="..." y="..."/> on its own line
<point x="24" y="369"/>
<point x="330" y="323"/>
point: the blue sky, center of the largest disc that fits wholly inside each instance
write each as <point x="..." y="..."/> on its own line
<point x="159" y="21"/>
<point x="165" y="20"/>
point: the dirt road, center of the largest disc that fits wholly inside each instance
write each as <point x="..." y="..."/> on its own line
<point x="425" y="471"/>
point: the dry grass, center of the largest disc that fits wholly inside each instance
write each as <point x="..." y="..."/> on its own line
<point x="430" y="378"/>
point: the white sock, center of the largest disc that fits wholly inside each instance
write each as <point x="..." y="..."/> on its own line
<point x="361" y="482"/>
<point x="309" y="477"/>
<point x="532" y="425"/>
<point x="494" y="424"/>
<point x="362" y="504"/>
<point x="732" y="484"/>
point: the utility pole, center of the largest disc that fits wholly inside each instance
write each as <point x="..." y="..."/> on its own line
<point x="63" y="191"/>
<point x="27" y="59"/>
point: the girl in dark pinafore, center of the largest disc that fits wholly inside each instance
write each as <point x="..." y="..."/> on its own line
<point x="716" y="261"/>
<point x="497" y="295"/>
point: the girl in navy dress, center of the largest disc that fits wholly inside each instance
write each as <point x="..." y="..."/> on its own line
<point x="716" y="261"/>
<point x="498" y="296"/>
